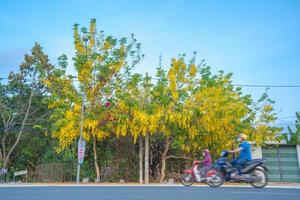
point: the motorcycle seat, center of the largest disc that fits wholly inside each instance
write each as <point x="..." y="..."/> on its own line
<point x="254" y="161"/>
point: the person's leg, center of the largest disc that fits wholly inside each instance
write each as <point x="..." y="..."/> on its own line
<point x="196" y="173"/>
<point x="203" y="171"/>
<point x="239" y="165"/>
<point x="233" y="162"/>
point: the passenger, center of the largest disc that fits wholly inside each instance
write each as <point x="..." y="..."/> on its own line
<point x="205" y="165"/>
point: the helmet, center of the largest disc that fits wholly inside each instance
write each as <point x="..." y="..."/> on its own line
<point x="243" y="136"/>
<point x="206" y="150"/>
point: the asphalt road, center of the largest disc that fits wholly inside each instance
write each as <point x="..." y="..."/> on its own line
<point x="146" y="193"/>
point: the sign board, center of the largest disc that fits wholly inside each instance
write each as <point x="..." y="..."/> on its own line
<point x="18" y="173"/>
<point x="81" y="150"/>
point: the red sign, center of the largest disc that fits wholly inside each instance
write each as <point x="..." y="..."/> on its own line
<point x="81" y="150"/>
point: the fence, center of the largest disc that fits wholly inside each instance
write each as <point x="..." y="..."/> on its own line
<point x="55" y="172"/>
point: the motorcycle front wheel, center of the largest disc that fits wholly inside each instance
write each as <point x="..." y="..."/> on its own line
<point x="187" y="179"/>
<point x="262" y="177"/>
<point x="215" y="178"/>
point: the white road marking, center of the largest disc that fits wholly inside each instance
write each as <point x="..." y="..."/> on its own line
<point x="138" y="185"/>
<point x="266" y="193"/>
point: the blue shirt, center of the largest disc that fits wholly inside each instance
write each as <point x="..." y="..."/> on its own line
<point x="245" y="153"/>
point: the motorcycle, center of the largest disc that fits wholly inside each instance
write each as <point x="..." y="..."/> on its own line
<point x="253" y="172"/>
<point x="189" y="177"/>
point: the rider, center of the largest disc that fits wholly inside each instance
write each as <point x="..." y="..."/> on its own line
<point x="206" y="165"/>
<point x="245" y="154"/>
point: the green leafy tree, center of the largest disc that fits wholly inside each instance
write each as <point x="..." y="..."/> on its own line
<point x="21" y="101"/>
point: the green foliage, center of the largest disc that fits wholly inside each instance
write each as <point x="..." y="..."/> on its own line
<point x="185" y="109"/>
<point x="293" y="137"/>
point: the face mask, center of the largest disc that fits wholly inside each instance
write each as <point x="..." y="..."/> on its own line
<point x="239" y="139"/>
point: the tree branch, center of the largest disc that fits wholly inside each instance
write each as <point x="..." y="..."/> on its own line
<point x="20" y="131"/>
<point x="31" y="164"/>
<point x="179" y="157"/>
<point x="33" y="112"/>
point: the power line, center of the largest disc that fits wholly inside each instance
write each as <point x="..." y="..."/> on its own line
<point x="267" y="86"/>
<point x="236" y="85"/>
<point x="259" y="86"/>
<point x="289" y="117"/>
<point x="290" y="124"/>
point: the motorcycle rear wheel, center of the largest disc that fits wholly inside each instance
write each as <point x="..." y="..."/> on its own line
<point x="215" y="180"/>
<point x="187" y="179"/>
<point x="264" y="178"/>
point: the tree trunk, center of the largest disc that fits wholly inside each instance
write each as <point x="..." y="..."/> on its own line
<point x="97" y="167"/>
<point x="163" y="160"/>
<point x="147" y="158"/>
<point x="8" y="123"/>
<point x="3" y="153"/>
<point x="141" y="160"/>
<point x="1" y="157"/>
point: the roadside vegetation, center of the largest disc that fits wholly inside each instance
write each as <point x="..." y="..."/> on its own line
<point x="136" y="124"/>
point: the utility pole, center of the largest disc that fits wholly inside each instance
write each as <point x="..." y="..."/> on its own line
<point x="81" y="143"/>
<point x="147" y="147"/>
<point x="147" y="158"/>
<point x="140" y="159"/>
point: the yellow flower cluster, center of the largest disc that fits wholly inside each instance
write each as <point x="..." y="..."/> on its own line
<point x="173" y="84"/>
<point x="92" y="33"/>
<point x="79" y="46"/>
<point x="86" y="71"/>
<point x="193" y="70"/>
<point x="221" y="114"/>
<point x="140" y="123"/>
<point x="181" y="119"/>
<point x="106" y="45"/>
<point x="69" y="131"/>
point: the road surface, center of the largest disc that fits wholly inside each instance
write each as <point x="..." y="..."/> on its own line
<point x="145" y="193"/>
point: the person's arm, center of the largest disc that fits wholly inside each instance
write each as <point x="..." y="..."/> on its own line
<point x="206" y="158"/>
<point x="236" y="150"/>
<point x="196" y="162"/>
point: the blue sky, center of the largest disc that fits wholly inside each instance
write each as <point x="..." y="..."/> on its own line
<point x="259" y="41"/>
